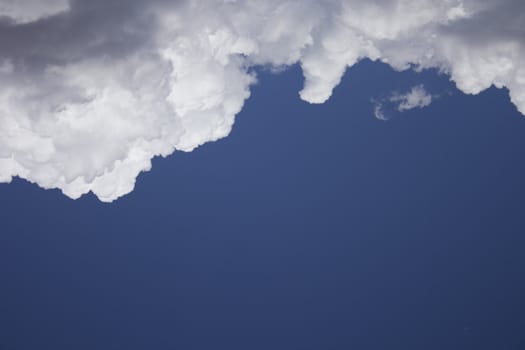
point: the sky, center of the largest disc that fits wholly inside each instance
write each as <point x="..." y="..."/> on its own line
<point x="387" y="217"/>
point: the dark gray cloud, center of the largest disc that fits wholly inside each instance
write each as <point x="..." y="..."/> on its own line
<point x="495" y="20"/>
<point x="94" y="28"/>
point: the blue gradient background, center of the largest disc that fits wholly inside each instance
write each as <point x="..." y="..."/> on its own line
<point x="310" y="227"/>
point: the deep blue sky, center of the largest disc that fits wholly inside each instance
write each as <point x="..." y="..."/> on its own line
<point x="310" y="227"/>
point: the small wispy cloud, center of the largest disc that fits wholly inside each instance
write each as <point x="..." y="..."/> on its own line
<point x="417" y="97"/>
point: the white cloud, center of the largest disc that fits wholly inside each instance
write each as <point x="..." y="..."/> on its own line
<point x="418" y="97"/>
<point x="90" y="95"/>
<point x="379" y="110"/>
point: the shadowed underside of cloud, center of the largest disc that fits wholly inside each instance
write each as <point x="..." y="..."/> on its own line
<point x="93" y="90"/>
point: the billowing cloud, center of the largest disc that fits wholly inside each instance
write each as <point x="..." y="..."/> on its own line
<point x="93" y="90"/>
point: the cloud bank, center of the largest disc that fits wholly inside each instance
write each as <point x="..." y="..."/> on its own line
<point x="93" y="90"/>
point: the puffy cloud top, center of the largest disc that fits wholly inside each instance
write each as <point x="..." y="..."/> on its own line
<point x="93" y="90"/>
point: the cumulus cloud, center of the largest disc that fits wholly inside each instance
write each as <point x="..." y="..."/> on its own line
<point x="93" y="90"/>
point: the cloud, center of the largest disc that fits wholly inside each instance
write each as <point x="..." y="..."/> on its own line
<point x="93" y="90"/>
<point x="31" y="10"/>
<point x="417" y="97"/>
